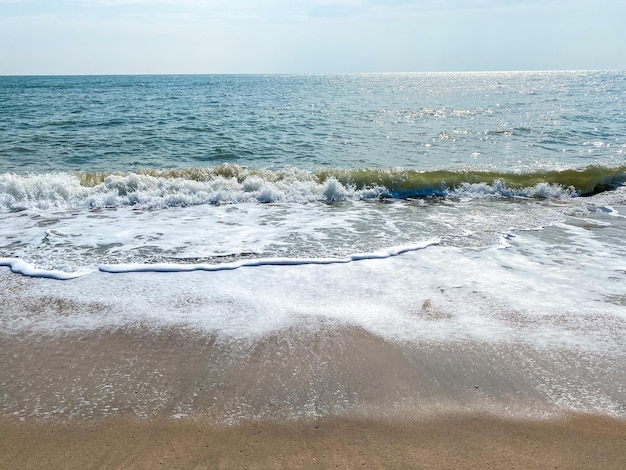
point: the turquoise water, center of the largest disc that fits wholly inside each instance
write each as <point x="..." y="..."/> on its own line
<point x="514" y="122"/>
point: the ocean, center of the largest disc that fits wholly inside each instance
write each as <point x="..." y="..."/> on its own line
<point x="454" y="211"/>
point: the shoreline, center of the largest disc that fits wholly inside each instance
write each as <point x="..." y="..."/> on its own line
<point x="442" y="441"/>
<point x="321" y="394"/>
<point x="311" y="372"/>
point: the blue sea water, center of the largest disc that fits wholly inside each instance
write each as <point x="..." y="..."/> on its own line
<point x="423" y="208"/>
<point x="88" y="157"/>
<point x="458" y="121"/>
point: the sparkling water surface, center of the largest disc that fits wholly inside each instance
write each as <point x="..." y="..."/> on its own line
<point x="502" y="121"/>
<point x="510" y="175"/>
<point x="109" y="169"/>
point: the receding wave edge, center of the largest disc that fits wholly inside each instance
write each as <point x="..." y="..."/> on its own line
<point x="19" y="266"/>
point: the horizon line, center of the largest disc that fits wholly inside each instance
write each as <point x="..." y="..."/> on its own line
<point x="146" y="74"/>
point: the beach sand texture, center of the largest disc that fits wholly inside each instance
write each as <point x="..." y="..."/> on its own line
<point x="324" y="397"/>
<point x="447" y="441"/>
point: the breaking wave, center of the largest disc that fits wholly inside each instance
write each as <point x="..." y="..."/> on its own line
<point x="232" y="184"/>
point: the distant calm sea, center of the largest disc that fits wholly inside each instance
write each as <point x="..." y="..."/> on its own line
<point x="352" y="198"/>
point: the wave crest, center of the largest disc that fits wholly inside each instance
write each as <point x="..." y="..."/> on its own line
<point x="231" y="184"/>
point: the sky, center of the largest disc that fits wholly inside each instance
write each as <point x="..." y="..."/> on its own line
<point x="309" y="36"/>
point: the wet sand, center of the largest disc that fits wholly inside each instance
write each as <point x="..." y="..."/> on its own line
<point x="316" y="397"/>
<point x="319" y="395"/>
<point x="446" y="441"/>
<point x="313" y="371"/>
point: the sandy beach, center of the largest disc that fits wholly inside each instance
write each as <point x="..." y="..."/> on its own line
<point x="323" y="397"/>
<point x="446" y="441"/>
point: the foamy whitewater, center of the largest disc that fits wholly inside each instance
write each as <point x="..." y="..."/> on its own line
<point x="422" y="208"/>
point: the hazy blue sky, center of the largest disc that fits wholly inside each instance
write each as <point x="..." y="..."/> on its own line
<point x="246" y="36"/>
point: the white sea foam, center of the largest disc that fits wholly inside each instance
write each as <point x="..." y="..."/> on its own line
<point x="499" y="188"/>
<point x="50" y="191"/>
<point x="19" y="266"/>
<point x="427" y="293"/>
<point x="170" y="267"/>
<point x="39" y="191"/>
<point x="405" y="270"/>
<point x="64" y="191"/>
<point x="77" y="240"/>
